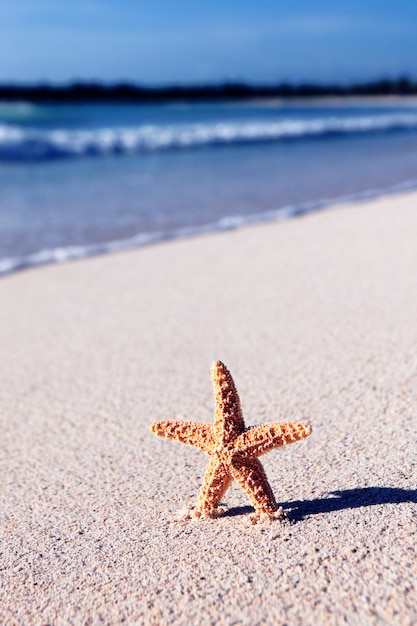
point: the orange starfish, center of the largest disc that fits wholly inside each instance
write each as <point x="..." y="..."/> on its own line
<point x="233" y="449"/>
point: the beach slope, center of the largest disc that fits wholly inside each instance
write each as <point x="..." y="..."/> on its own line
<point x="316" y="319"/>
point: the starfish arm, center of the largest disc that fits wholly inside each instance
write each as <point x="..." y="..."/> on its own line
<point x="250" y="475"/>
<point x="216" y="482"/>
<point x="261" y="439"/>
<point x="193" y="433"/>
<point x="228" y="419"/>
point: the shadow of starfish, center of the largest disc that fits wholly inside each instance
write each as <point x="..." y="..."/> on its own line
<point x="344" y="499"/>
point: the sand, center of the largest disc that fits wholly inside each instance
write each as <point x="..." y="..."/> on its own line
<point x="316" y="318"/>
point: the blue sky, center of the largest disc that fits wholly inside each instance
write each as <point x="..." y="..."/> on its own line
<point x="168" y="41"/>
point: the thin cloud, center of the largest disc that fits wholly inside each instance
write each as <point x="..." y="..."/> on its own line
<point x="317" y="24"/>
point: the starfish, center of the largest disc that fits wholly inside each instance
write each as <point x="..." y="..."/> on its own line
<point x="233" y="449"/>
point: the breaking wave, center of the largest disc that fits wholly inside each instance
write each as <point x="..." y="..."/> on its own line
<point x="31" y="144"/>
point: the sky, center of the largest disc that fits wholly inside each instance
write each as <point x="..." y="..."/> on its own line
<point x="196" y="41"/>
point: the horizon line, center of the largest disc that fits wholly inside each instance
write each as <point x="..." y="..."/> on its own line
<point x="124" y="90"/>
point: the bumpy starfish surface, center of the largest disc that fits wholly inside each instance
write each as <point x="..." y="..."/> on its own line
<point x="233" y="449"/>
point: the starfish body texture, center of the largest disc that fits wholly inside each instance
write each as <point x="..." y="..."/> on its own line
<point x="233" y="448"/>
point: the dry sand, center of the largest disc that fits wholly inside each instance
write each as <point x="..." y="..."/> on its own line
<point x="317" y="320"/>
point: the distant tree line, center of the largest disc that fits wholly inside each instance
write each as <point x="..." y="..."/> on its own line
<point x="131" y="93"/>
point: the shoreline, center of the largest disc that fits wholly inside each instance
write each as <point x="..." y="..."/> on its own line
<point x="316" y="320"/>
<point x="11" y="265"/>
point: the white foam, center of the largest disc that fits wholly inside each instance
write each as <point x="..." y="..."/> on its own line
<point x="18" y="143"/>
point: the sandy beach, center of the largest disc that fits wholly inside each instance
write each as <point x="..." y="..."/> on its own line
<point x="316" y="318"/>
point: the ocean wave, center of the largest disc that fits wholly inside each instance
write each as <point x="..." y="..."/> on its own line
<point x="70" y="253"/>
<point x="18" y="143"/>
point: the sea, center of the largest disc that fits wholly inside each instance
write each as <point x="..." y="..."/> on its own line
<point x="85" y="179"/>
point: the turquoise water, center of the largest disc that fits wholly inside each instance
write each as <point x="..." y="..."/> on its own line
<point x="85" y="179"/>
